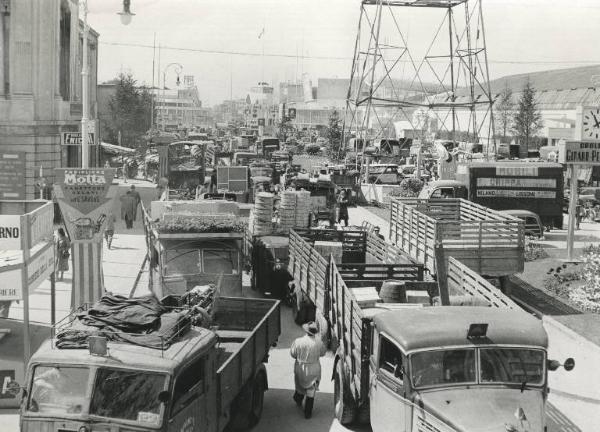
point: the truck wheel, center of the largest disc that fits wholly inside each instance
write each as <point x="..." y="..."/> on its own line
<point x="343" y="405"/>
<point x="258" y="398"/>
<point x="364" y="413"/>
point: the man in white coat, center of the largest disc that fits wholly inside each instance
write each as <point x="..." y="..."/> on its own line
<point x="307" y="350"/>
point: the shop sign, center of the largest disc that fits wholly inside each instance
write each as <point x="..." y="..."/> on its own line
<point x="507" y="193"/>
<point x="516" y="182"/>
<point x="10" y="232"/>
<point x="579" y="152"/>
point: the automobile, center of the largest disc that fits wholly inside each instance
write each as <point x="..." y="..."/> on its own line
<point x="384" y="174"/>
<point x="533" y="223"/>
<point x="587" y="194"/>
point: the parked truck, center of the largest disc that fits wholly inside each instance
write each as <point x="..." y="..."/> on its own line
<point x="201" y="379"/>
<point x="410" y="367"/>
<point x="537" y="187"/>
<point x="431" y="231"/>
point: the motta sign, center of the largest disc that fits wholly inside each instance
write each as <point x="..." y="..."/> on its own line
<point x="84" y="189"/>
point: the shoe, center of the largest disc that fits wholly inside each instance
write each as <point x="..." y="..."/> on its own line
<point x="298" y="398"/>
<point x="308" y="407"/>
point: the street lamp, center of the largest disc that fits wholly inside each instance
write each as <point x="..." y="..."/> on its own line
<point x="85" y="74"/>
<point x="178" y="70"/>
<point x="126" y="14"/>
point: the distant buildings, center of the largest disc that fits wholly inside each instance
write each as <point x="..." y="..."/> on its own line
<point x="40" y="84"/>
<point x="180" y="108"/>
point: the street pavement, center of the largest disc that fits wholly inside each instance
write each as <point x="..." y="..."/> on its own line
<point x="121" y="269"/>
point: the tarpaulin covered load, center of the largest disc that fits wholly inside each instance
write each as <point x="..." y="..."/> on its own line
<point x="141" y="321"/>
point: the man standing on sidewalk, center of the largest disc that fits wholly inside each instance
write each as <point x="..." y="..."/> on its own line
<point x="128" y="209"/>
<point x="307" y="350"/>
<point x="138" y="199"/>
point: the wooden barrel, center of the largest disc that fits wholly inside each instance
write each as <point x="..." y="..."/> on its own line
<point x="393" y="291"/>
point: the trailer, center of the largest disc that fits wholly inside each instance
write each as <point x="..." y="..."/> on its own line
<point x="437" y="368"/>
<point x="213" y="378"/>
<point x="431" y="231"/>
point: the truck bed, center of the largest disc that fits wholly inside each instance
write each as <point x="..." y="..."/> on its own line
<point x="431" y="231"/>
<point x="247" y="328"/>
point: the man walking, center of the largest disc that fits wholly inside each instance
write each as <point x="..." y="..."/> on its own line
<point x="342" y="208"/>
<point x="307" y="350"/>
<point x="138" y="199"/>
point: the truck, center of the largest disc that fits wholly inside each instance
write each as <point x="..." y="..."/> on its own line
<point x="431" y="231"/>
<point x="194" y="243"/>
<point x="537" y="187"/>
<point x="414" y="367"/>
<point x="197" y="378"/>
<point x="266" y="145"/>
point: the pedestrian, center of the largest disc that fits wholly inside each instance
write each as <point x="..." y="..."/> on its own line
<point x="125" y="171"/>
<point x="376" y="231"/>
<point x="138" y="198"/>
<point x="109" y="232"/>
<point x="128" y="207"/>
<point x="342" y="207"/>
<point x="579" y="212"/>
<point x="107" y="164"/>
<point x="307" y="350"/>
<point x="63" y="253"/>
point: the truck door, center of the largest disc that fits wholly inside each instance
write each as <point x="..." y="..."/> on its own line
<point x="389" y="408"/>
<point x="188" y="411"/>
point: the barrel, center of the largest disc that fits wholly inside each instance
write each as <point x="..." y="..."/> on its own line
<point x="393" y="291"/>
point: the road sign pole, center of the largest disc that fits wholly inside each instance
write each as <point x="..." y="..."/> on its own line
<point x="25" y="231"/>
<point x="572" y="212"/>
<point x="85" y="156"/>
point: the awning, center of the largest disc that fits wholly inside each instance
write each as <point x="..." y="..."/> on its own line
<point x="115" y="149"/>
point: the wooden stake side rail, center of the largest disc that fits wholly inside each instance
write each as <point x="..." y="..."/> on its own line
<point x="425" y="230"/>
<point x="464" y="281"/>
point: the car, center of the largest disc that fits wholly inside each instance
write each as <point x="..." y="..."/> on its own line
<point x="587" y="194"/>
<point x="533" y="223"/>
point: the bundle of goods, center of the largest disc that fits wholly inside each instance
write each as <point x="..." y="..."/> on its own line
<point x="287" y="210"/>
<point x="261" y="218"/>
<point x="303" y="207"/>
<point x="178" y="223"/>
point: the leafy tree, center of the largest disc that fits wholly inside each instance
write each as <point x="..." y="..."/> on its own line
<point x="334" y="134"/>
<point x="313" y="149"/>
<point x="130" y="111"/>
<point x="504" y="111"/>
<point x="528" y="118"/>
<point x="409" y="187"/>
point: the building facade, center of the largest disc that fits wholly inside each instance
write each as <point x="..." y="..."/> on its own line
<point x="180" y="109"/>
<point x="41" y="47"/>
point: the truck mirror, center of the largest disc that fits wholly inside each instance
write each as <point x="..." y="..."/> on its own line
<point x="553" y="365"/>
<point x="569" y="364"/>
<point x="164" y="396"/>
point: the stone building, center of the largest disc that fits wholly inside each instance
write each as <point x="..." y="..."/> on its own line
<point x="41" y="47"/>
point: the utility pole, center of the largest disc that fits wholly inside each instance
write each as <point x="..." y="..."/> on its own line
<point x="85" y="157"/>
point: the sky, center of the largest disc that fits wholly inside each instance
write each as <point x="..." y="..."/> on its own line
<point x="217" y="41"/>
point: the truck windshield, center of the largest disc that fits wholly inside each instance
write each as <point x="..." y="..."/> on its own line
<point x="432" y="368"/>
<point x="512" y="365"/>
<point x="128" y="395"/>
<point x="59" y="390"/>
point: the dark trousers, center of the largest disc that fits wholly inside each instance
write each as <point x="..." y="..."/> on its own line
<point x="128" y="222"/>
<point x="343" y="217"/>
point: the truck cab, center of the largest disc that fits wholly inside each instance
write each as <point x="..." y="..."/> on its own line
<point x="444" y="189"/>
<point x="485" y="369"/>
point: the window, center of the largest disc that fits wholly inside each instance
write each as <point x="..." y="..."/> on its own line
<point x="430" y="368"/>
<point x="512" y="365"/>
<point x="137" y="395"/>
<point x="219" y="261"/>
<point x="443" y="193"/>
<point x="390" y="358"/>
<point x="182" y="261"/>
<point x="59" y="390"/>
<point x="188" y="385"/>
<point x="65" y="51"/>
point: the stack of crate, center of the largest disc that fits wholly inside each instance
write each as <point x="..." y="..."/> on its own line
<point x="302" y="209"/>
<point x="261" y="218"/>
<point x="287" y="210"/>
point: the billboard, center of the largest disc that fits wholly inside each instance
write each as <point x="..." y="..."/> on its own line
<point x="12" y="175"/>
<point x="85" y="197"/>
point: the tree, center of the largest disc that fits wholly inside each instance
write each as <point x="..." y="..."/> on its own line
<point x="334" y="135"/>
<point x="130" y="111"/>
<point x="504" y="111"/>
<point x="528" y="118"/>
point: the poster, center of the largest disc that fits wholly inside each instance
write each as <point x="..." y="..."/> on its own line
<point x="10" y="232"/>
<point x="85" y="197"/>
<point x="12" y="176"/>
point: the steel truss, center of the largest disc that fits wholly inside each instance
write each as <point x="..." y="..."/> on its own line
<point x="387" y="81"/>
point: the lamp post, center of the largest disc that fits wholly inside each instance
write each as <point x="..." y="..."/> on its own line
<point x="178" y="70"/>
<point x="126" y="16"/>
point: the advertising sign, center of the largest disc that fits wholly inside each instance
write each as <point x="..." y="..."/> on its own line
<point x="524" y="171"/>
<point x="6" y="378"/>
<point x="12" y="176"/>
<point x="10" y="232"/>
<point x="74" y="138"/>
<point x="38" y="269"/>
<point x="507" y="193"/>
<point x="85" y="198"/>
<point x="516" y="182"/>
<point x="579" y="152"/>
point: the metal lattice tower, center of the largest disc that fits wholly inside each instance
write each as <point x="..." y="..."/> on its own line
<point x="447" y="84"/>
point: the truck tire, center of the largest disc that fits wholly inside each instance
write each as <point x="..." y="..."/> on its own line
<point x="364" y="413"/>
<point x="258" y="397"/>
<point x="343" y="403"/>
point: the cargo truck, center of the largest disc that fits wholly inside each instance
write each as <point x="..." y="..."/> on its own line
<point x="202" y="379"/>
<point x="410" y="367"/>
<point x="432" y="230"/>
<point x="537" y="187"/>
